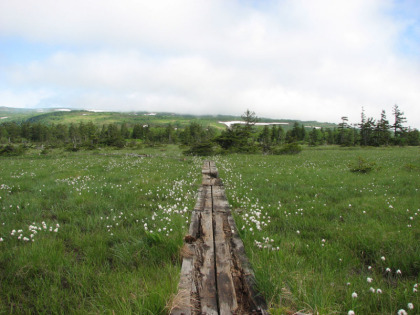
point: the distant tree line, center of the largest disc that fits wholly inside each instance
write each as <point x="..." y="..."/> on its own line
<point x="369" y="132"/>
<point x="89" y="135"/>
<point x="245" y="138"/>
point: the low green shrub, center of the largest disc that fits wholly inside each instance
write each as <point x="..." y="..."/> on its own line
<point x="201" y="149"/>
<point x="72" y="148"/>
<point x="11" y="150"/>
<point x="361" y="166"/>
<point x="289" y="148"/>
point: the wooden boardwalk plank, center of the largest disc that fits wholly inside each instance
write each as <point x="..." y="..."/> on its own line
<point x="220" y="202"/>
<point x="183" y="304"/>
<point x="216" y="276"/>
<point x="225" y="285"/>
<point x="201" y="196"/>
<point x="208" y="289"/>
<point x="247" y="278"/>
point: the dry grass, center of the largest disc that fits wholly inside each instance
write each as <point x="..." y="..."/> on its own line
<point x="186" y="251"/>
<point x="180" y="301"/>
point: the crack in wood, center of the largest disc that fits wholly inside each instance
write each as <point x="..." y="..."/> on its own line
<point x="213" y="221"/>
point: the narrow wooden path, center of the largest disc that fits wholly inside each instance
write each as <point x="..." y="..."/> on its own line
<point x="216" y="277"/>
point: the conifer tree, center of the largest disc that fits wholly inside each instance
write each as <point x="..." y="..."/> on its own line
<point x="382" y="130"/>
<point x="250" y="119"/>
<point x="399" y="129"/>
<point x="342" y="129"/>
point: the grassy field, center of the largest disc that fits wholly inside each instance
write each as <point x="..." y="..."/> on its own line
<point x="73" y="231"/>
<point x="101" y="118"/>
<point x="100" y="231"/>
<point x="316" y="233"/>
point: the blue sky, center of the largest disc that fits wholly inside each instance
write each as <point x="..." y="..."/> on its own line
<point x="294" y="59"/>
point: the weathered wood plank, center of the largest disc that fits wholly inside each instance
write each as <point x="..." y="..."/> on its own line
<point x="207" y="287"/>
<point x="194" y="230"/>
<point x="207" y="180"/>
<point x="220" y="202"/>
<point x="208" y="202"/>
<point x="182" y="302"/>
<point x="225" y="285"/>
<point x="211" y="181"/>
<point x="213" y="170"/>
<point x="217" y="278"/>
<point x="216" y="182"/>
<point x="201" y="195"/>
<point x="246" y="277"/>
<point x="219" y="192"/>
<point x="206" y="168"/>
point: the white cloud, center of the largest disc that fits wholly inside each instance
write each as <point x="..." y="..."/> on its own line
<point x="313" y="60"/>
<point x="23" y="99"/>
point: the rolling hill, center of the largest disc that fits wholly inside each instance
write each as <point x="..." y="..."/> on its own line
<point x="66" y="116"/>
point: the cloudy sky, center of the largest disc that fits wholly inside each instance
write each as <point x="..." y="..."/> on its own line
<point x="292" y="59"/>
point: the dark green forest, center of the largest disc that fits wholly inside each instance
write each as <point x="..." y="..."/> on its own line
<point x="204" y="139"/>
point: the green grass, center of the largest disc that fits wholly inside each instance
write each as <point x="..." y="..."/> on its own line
<point x="330" y="227"/>
<point x="100" y="258"/>
<point x="117" y="223"/>
<point x="101" y="118"/>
